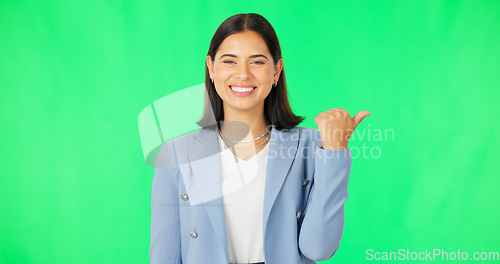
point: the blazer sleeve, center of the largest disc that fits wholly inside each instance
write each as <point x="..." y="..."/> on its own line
<point x="165" y="246"/>
<point x="323" y="222"/>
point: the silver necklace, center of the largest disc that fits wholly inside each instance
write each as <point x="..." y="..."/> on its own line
<point x="244" y="141"/>
<point x="255" y="147"/>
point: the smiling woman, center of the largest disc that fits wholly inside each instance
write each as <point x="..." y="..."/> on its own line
<point x="244" y="58"/>
<point x="253" y="187"/>
<point x="245" y="68"/>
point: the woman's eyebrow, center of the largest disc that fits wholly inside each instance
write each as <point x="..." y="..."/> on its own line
<point x="252" y="56"/>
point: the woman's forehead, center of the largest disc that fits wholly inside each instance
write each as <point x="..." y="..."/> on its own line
<point x="243" y="44"/>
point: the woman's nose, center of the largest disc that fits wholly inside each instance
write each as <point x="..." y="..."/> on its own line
<point x="242" y="71"/>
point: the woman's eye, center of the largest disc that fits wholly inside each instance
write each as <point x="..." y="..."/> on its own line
<point x="232" y="62"/>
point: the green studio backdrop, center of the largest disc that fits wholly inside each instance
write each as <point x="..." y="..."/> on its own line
<point x="74" y="76"/>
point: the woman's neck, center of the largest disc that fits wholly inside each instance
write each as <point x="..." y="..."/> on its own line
<point x="243" y="125"/>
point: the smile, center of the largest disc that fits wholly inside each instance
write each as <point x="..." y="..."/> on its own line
<point x="242" y="89"/>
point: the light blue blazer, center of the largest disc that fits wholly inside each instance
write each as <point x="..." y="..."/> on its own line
<point x="305" y="192"/>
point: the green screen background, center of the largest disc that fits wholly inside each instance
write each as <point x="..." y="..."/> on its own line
<point x="74" y="186"/>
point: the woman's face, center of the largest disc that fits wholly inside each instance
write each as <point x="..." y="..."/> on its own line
<point x="243" y="71"/>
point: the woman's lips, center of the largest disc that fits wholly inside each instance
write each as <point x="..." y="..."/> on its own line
<point x="243" y="90"/>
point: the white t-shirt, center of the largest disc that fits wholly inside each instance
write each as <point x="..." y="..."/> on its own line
<point x="243" y="184"/>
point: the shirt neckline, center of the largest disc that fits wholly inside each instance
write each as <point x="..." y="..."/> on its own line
<point x="238" y="159"/>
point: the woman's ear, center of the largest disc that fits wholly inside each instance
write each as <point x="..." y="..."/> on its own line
<point x="210" y="66"/>
<point x="277" y="69"/>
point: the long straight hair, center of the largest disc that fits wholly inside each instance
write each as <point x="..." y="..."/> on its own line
<point x="277" y="110"/>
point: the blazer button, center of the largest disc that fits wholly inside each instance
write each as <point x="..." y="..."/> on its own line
<point x="193" y="234"/>
<point x="299" y="214"/>
<point x="184" y="196"/>
<point x="304" y="183"/>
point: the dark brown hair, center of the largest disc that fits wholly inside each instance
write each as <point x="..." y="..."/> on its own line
<point x="277" y="109"/>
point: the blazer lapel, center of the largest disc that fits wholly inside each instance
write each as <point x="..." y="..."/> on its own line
<point x="205" y="180"/>
<point x="282" y="150"/>
<point x="204" y="159"/>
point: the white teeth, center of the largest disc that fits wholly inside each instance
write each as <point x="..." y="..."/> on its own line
<point x="241" y="89"/>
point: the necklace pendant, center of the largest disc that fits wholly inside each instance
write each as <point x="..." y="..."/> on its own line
<point x="246" y="158"/>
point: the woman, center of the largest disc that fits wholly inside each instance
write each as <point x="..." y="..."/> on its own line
<point x="251" y="186"/>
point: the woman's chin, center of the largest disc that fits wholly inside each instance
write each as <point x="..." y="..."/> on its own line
<point x="245" y="107"/>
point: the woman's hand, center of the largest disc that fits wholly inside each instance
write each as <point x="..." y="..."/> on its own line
<point x="336" y="127"/>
